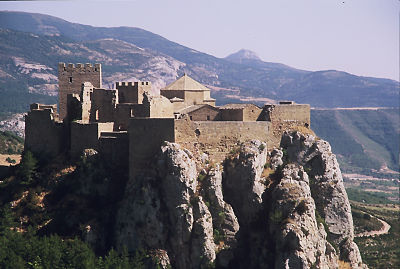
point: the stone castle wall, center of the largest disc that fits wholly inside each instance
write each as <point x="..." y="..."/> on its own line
<point x="218" y="138"/>
<point x="145" y="138"/>
<point x="114" y="147"/>
<point x="215" y="138"/>
<point x="231" y="114"/>
<point x="286" y="117"/>
<point x="70" y="79"/>
<point x="86" y="135"/>
<point x="103" y="105"/>
<point x="132" y="92"/>
<point x="251" y="113"/>
<point x="205" y="113"/>
<point x="44" y="136"/>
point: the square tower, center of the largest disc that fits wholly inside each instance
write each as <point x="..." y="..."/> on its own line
<point x="70" y="79"/>
<point x="132" y="92"/>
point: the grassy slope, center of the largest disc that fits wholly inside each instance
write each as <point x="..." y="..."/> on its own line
<point x="10" y="143"/>
<point x="362" y="139"/>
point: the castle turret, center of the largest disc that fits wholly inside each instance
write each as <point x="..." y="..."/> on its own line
<point x="70" y="79"/>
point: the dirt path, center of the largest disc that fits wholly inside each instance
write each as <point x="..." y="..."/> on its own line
<point x="384" y="230"/>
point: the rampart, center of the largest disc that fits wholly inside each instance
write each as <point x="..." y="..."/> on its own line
<point x="215" y="138"/>
<point x="44" y="134"/>
<point x="146" y="135"/>
<point x="70" y="79"/>
<point x="218" y="138"/>
<point x="285" y="117"/>
<point x="114" y="148"/>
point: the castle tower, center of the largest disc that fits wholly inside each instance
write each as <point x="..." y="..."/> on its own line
<point x="132" y="92"/>
<point x="70" y="79"/>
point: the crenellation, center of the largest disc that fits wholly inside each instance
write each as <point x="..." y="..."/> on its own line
<point x="70" y="80"/>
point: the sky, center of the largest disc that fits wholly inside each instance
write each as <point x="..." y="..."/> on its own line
<point x="357" y="36"/>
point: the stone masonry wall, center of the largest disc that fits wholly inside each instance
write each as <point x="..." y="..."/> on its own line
<point x="251" y="113"/>
<point x="129" y="92"/>
<point x="114" y="147"/>
<point x="103" y="105"/>
<point x="146" y="135"/>
<point x="286" y="117"/>
<point x="70" y="79"/>
<point x="205" y="113"/>
<point x="158" y="106"/>
<point x="44" y="135"/>
<point x="87" y="135"/>
<point x="218" y="138"/>
<point x="194" y="97"/>
<point x="231" y="114"/>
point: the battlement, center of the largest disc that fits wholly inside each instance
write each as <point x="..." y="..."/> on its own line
<point x="132" y="84"/>
<point x="70" y="79"/>
<point x="132" y="92"/>
<point x="79" y="67"/>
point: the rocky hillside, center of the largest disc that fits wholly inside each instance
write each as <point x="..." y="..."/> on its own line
<point x="286" y="209"/>
<point x="32" y="45"/>
<point x="365" y="140"/>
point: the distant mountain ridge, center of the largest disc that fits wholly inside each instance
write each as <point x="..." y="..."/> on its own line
<point x="243" y="54"/>
<point x="127" y="53"/>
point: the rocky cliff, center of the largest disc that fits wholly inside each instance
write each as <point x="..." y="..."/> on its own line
<point x="283" y="209"/>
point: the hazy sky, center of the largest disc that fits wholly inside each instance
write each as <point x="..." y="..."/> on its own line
<point x="356" y="36"/>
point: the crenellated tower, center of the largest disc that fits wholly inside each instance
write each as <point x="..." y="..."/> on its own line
<point x="132" y="92"/>
<point x="70" y="79"/>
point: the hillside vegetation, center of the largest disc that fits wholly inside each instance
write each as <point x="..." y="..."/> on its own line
<point x="380" y="252"/>
<point x="10" y="143"/>
<point x="364" y="140"/>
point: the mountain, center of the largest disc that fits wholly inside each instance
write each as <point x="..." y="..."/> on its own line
<point x="251" y="59"/>
<point x="237" y="78"/>
<point x="365" y="140"/>
<point x="243" y="55"/>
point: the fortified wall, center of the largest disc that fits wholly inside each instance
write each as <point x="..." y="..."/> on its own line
<point x="44" y="133"/>
<point x="127" y="125"/>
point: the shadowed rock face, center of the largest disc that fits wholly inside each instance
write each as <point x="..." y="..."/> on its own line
<point x="234" y="215"/>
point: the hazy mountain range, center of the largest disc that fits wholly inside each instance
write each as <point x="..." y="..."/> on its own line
<point x="31" y="45"/>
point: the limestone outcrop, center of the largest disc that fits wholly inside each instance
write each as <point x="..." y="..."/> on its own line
<point x="326" y="184"/>
<point x="285" y="209"/>
<point x="300" y="241"/>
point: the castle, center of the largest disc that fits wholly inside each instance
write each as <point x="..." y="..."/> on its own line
<point x="128" y="124"/>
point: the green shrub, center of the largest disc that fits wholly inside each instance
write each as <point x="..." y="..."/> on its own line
<point x="27" y="168"/>
<point x="9" y="160"/>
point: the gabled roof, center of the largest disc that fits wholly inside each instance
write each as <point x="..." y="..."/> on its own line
<point x="186" y="83"/>
<point x="192" y="108"/>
